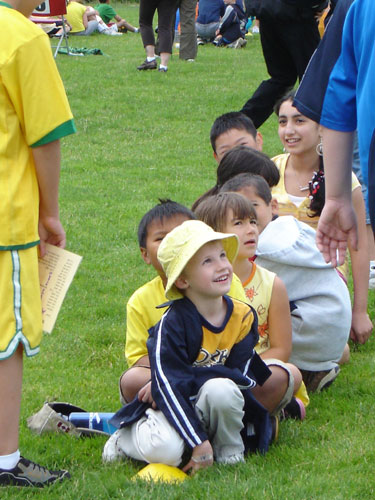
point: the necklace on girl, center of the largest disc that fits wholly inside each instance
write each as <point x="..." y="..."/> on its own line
<point x="301" y="188"/>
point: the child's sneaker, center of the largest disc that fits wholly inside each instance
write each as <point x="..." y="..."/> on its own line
<point x="200" y="41"/>
<point x="295" y="409"/>
<point x="112" y="451"/>
<point x="233" y="459"/>
<point x="27" y="473"/>
<point x="237" y="44"/>
<point x="317" y="381"/>
<point x="275" y="428"/>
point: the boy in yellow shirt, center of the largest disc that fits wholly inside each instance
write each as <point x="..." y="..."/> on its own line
<point x="35" y="114"/>
<point x="143" y="309"/>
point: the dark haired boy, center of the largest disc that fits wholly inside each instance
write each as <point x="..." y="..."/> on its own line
<point x="142" y="311"/>
<point x="233" y="129"/>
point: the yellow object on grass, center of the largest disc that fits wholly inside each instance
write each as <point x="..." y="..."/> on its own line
<point x="161" y="472"/>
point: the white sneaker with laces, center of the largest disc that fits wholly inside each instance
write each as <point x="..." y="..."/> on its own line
<point x="111" y="450"/>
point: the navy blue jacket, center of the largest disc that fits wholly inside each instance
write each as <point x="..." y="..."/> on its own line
<point x="174" y="345"/>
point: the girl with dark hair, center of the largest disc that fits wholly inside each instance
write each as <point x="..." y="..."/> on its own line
<point x="300" y="192"/>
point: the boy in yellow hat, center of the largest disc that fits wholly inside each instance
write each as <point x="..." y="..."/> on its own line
<point x="203" y="364"/>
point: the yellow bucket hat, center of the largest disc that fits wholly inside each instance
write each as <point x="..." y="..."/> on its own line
<point x="181" y="244"/>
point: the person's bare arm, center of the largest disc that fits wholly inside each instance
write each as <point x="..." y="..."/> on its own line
<point x="361" y="323"/>
<point x="47" y="166"/>
<point x="279" y="324"/>
<point x="337" y="224"/>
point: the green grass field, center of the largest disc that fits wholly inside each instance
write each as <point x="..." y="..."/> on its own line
<point x="143" y="136"/>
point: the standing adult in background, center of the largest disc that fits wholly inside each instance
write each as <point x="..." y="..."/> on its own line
<point x="166" y="14"/>
<point x="289" y="35"/>
<point x="310" y="97"/>
<point x="188" y="36"/>
<point x="347" y="106"/>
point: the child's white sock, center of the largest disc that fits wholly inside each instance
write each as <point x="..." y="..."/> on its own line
<point x="149" y="59"/>
<point x="8" y="462"/>
<point x="163" y="67"/>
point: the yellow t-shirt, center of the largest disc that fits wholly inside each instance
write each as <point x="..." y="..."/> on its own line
<point x="142" y="313"/>
<point x="287" y="207"/>
<point x="258" y="290"/>
<point x="34" y="111"/>
<point x="74" y="15"/>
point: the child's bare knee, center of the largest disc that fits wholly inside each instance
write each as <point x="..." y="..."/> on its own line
<point x="132" y="381"/>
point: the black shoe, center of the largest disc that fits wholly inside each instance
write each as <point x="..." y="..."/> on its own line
<point x="317" y="381"/>
<point x="147" y="65"/>
<point x="27" y="473"/>
<point x="163" y="70"/>
<point x="294" y="409"/>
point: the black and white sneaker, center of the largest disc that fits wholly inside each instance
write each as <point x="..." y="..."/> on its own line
<point x="317" y="381"/>
<point x="147" y="65"/>
<point x="27" y="473"/>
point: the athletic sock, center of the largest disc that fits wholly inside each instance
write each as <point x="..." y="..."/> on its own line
<point x="8" y="462"/>
<point x="149" y="59"/>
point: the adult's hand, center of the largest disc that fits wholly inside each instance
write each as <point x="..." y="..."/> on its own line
<point x="337" y="225"/>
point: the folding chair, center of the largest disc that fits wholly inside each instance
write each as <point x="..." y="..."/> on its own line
<point x="53" y="8"/>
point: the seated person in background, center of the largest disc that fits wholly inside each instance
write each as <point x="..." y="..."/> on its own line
<point x="103" y="29"/>
<point x="77" y="16"/>
<point x="233" y="129"/>
<point x="53" y="26"/>
<point x="107" y="12"/>
<point x="320" y="301"/>
<point x="232" y="28"/>
<point x="229" y="212"/>
<point x="208" y="20"/>
<point x="204" y="369"/>
<point x="142" y="311"/>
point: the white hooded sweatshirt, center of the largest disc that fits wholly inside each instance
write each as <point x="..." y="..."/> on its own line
<point x="322" y="318"/>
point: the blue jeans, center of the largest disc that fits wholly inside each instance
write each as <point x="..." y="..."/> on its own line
<point x="207" y="31"/>
<point x="91" y="27"/>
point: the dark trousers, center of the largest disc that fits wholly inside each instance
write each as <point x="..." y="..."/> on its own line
<point x="188" y="38"/>
<point x="166" y="13"/>
<point x="287" y="48"/>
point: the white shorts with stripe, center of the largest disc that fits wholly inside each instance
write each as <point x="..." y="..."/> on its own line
<point x="20" y="304"/>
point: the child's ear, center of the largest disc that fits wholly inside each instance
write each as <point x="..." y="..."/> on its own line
<point x="216" y="158"/>
<point x="181" y="283"/>
<point x="275" y="206"/>
<point x="145" y="255"/>
<point x="259" y="141"/>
